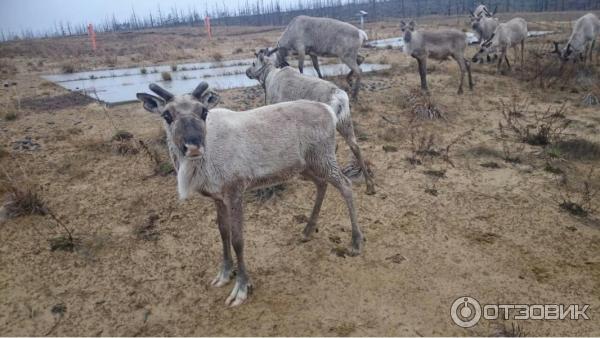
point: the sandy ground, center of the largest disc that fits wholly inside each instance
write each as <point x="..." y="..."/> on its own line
<point x="496" y="234"/>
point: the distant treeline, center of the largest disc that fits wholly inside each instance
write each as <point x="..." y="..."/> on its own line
<point x="272" y="13"/>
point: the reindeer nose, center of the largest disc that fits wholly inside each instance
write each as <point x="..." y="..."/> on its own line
<point x="192" y="150"/>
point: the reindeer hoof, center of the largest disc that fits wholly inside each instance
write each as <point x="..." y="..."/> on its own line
<point x="356" y="248"/>
<point x="370" y="190"/>
<point x="239" y="294"/>
<point x="223" y="278"/>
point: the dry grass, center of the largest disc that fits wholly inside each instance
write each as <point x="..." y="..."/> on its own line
<point x="579" y="198"/>
<point x="423" y="106"/>
<point x="68" y="67"/>
<point x="217" y="56"/>
<point x="538" y="128"/>
<point x="22" y="198"/>
<point x="7" y="68"/>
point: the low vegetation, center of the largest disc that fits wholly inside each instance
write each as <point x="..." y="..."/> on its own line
<point x="166" y="76"/>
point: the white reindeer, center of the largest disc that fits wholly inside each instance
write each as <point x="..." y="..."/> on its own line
<point x="223" y="153"/>
<point x="482" y="11"/>
<point x="507" y="35"/>
<point x="287" y="84"/>
<point x="583" y="39"/>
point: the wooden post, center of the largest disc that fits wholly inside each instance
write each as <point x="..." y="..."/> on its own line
<point x="92" y="35"/>
<point x="207" y="27"/>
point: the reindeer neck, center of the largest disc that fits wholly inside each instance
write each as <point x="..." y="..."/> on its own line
<point x="264" y="73"/>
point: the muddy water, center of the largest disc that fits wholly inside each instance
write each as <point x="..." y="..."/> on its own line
<point x="120" y="85"/>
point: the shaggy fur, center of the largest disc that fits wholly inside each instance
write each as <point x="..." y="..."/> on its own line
<point x="323" y="37"/>
<point x="223" y="153"/>
<point x="484" y="27"/>
<point x="508" y="34"/>
<point x="583" y="39"/>
<point x="287" y="84"/>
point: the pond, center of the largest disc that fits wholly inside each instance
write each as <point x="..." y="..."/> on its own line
<point x="116" y="86"/>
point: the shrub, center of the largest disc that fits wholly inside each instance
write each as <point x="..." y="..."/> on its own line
<point x="166" y="76"/>
<point x="67" y="68"/>
<point x="217" y="56"/>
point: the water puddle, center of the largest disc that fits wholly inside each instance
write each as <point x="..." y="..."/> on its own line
<point x="116" y="86"/>
<point x="398" y="42"/>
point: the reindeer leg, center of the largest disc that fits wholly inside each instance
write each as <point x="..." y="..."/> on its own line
<point x="243" y="285"/>
<point x="354" y="72"/>
<point x="321" y="185"/>
<point x="347" y="131"/>
<point x="468" y="64"/>
<point x="423" y="72"/>
<point x="315" y="63"/>
<point x="344" y="186"/>
<point x="349" y="78"/>
<point x="301" y="60"/>
<point x="502" y="54"/>
<point x="522" y="54"/>
<point x="460" y="61"/>
<point x="224" y="275"/>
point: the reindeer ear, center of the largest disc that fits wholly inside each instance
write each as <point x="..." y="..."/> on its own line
<point x="150" y="102"/>
<point x="210" y="99"/>
<point x="412" y="25"/>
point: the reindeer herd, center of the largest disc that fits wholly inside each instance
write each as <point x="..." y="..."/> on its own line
<point x="221" y="153"/>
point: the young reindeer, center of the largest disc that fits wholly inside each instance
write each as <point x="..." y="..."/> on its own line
<point x="508" y="34"/>
<point x="323" y="37"/>
<point x="287" y="84"/>
<point x="223" y="153"/>
<point x="583" y="39"/>
<point x="439" y="45"/>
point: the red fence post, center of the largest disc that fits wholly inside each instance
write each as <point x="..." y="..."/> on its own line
<point x="92" y="35"/>
<point x="207" y="27"/>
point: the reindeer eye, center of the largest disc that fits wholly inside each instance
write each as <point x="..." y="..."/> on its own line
<point x="167" y="116"/>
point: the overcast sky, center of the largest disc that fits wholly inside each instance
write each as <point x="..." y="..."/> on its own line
<point x="40" y="15"/>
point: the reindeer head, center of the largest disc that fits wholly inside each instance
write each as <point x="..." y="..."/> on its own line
<point x="263" y="59"/>
<point x="485" y="50"/>
<point x="475" y="21"/>
<point x="185" y="116"/>
<point x="281" y="54"/>
<point x="411" y="26"/>
<point x="407" y="29"/>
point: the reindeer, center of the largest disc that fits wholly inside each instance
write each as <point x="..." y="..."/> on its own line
<point x="223" y="153"/>
<point x="484" y="27"/>
<point x="482" y="11"/>
<point x="438" y="45"/>
<point x="508" y="34"/>
<point x="582" y="40"/>
<point x="323" y="37"/>
<point x="287" y="84"/>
